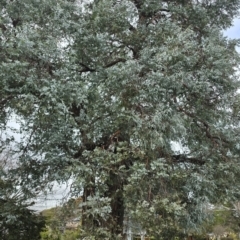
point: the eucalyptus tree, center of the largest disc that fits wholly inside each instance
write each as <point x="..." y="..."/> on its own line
<point x="105" y="90"/>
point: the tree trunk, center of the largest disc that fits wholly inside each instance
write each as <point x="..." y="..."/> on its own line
<point x="87" y="221"/>
<point x="115" y="192"/>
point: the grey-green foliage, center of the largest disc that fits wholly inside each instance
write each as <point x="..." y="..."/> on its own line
<point x="106" y="88"/>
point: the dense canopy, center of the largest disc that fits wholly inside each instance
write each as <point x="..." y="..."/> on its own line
<point x="135" y="101"/>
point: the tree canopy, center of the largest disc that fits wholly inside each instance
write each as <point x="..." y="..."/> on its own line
<point x="136" y="101"/>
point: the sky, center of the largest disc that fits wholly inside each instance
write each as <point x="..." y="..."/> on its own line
<point x="234" y="31"/>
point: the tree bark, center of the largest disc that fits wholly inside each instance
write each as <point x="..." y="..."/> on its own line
<point x="115" y="192"/>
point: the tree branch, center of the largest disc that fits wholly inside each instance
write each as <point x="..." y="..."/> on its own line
<point x="181" y="158"/>
<point x="86" y="68"/>
<point x="114" y="62"/>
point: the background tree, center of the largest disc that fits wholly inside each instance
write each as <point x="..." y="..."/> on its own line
<point x="17" y="221"/>
<point x="106" y="89"/>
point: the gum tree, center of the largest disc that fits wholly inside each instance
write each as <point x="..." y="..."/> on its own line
<point x="134" y="100"/>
